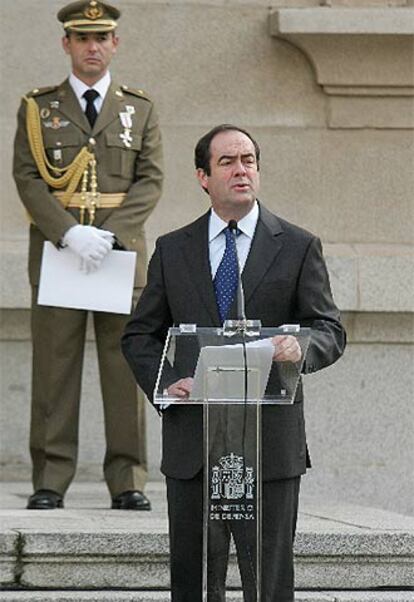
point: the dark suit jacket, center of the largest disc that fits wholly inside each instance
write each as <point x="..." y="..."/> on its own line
<point x="285" y="281"/>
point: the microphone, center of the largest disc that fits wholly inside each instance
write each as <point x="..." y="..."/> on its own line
<point x="241" y="313"/>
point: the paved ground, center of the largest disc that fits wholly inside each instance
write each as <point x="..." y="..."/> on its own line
<point x="89" y="503"/>
<point x="85" y="496"/>
<point x="87" y="506"/>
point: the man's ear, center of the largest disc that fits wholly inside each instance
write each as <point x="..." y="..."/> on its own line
<point x="115" y="42"/>
<point x="66" y="44"/>
<point x="202" y="178"/>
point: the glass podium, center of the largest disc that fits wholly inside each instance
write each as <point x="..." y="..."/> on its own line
<point x="234" y="375"/>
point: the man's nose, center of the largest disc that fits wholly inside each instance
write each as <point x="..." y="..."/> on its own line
<point x="92" y="45"/>
<point x="239" y="167"/>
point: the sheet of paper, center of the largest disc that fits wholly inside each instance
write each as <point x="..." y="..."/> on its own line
<point x="220" y="372"/>
<point x="63" y="284"/>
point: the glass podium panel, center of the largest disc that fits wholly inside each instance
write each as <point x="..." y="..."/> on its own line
<point x="232" y="501"/>
<point x="234" y="376"/>
<point x="231" y="367"/>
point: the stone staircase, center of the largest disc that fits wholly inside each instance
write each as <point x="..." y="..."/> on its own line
<point x="87" y="553"/>
<point x="143" y="596"/>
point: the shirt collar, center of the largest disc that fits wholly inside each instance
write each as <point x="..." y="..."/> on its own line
<point x="101" y="86"/>
<point x="247" y="224"/>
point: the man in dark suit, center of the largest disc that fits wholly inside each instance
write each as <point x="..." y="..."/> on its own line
<point x="88" y="168"/>
<point x="285" y="281"/>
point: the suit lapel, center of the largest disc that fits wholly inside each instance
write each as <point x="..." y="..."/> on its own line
<point x="69" y="106"/>
<point x="266" y="245"/>
<point x="113" y="104"/>
<point x="196" y="256"/>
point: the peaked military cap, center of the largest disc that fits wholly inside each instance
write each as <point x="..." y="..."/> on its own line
<point x="89" y="16"/>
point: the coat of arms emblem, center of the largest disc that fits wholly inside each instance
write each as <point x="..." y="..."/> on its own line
<point x="231" y="480"/>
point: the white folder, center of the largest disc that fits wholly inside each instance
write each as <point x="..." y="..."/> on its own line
<point x="109" y="289"/>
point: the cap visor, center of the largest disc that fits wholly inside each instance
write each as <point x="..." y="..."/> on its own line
<point x="90" y="28"/>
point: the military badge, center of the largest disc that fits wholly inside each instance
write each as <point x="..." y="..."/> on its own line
<point x="56" y="123"/>
<point x="93" y="11"/>
<point x="57" y="155"/>
<point x="126" y="122"/>
<point x="44" y="112"/>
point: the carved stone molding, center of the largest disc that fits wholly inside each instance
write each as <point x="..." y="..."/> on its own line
<point x="363" y="59"/>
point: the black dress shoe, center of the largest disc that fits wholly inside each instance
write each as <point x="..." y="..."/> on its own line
<point x="45" y="499"/>
<point x="131" y="500"/>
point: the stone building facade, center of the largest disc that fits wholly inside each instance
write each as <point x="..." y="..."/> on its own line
<point x="327" y="88"/>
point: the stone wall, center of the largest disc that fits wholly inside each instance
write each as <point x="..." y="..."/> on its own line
<point x="327" y="88"/>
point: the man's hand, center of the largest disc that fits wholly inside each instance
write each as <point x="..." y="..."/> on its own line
<point x="90" y="243"/>
<point x="181" y="388"/>
<point x="287" y="348"/>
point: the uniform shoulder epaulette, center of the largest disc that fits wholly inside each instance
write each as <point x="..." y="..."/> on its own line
<point x="136" y="92"/>
<point x="40" y="91"/>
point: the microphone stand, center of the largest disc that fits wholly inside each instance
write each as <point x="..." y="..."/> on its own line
<point x="241" y="328"/>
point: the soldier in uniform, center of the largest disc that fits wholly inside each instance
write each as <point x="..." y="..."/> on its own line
<point x="88" y="168"/>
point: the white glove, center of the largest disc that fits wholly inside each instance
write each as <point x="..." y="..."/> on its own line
<point x="90" y="243"/>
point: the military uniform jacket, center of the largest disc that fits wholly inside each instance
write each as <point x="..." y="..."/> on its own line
<point x="134" y="170"/>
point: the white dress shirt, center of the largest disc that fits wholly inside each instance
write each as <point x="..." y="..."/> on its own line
<point x="217" y="238"/>
<point x="101" y="86"/>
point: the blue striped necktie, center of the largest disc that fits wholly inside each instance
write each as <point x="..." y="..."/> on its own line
<point x="226" y="279"/>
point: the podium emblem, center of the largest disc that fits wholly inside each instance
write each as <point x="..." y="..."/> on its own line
<point x="231" y="479"/>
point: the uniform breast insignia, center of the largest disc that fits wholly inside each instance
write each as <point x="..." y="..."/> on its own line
<point x="130" y="109"/>
<point x="54" y="104"/>
<point x="57" y="155"/>
<point x="56" y="123"/>
<point x="44" y="113"/>
<point x="126" y="122"/>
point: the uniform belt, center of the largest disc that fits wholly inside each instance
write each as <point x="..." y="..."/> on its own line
<point x="105" y="200"/>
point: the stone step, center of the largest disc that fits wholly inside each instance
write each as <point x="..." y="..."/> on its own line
<point x="141" y="596"/>
<point x="135" y="559"/>
<point x="83" y="547"/>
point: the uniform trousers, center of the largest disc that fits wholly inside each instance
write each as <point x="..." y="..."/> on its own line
<point x="279" y="508"/>
<point x="58" y="350"/>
